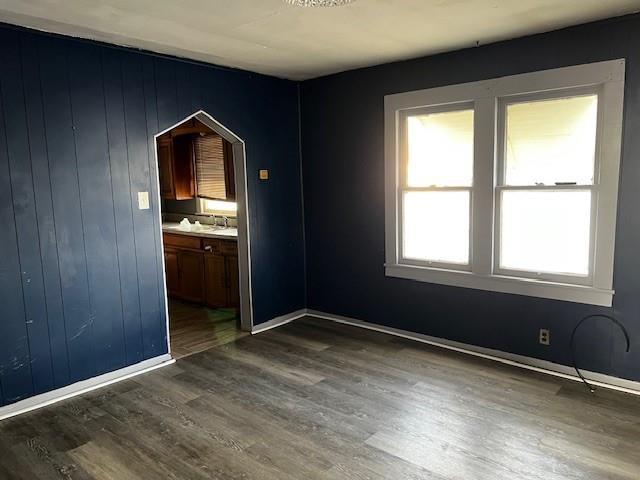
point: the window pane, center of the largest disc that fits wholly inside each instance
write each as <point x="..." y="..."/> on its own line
<point x="551" y="141"/>
<point x="227" y="208"/>
<point x="440" y="149"/>
<point x="436" y="226"/>
<point x="546" y="231"/>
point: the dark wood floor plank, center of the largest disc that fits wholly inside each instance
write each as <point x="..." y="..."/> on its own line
<point x="322" y="401"/>
<point x="194" y="328"/>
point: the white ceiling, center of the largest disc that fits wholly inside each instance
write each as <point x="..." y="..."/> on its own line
<point x="271" y="37"/>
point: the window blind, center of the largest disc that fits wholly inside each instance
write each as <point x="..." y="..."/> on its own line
<point x="210" y="175"/>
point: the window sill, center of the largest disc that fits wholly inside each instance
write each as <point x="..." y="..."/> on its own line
<point x="504" y="284"/>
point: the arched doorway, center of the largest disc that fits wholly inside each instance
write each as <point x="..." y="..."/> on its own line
<point x="238" y="152"/>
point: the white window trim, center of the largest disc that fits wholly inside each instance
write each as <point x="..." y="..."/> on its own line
<point x="606" y="77"/>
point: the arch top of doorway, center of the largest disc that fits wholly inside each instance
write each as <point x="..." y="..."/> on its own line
<point x="208" y="120"/>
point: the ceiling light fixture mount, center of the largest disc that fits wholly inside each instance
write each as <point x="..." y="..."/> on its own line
<point x="318" y="3"/>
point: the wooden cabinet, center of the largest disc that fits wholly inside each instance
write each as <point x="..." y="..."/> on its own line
<point x="233" y="281"/>
<point x="165" y="168"/>
<point x="176" y="168"/>
<point x="195" y="161"/>
<point x="202" y="270"/>
<point x="191" y="275"/>
<point x="185" y="273"/>
<point x="221" y="275"/>
<point x="172" y="271"/>
<point x="215" y="280"/>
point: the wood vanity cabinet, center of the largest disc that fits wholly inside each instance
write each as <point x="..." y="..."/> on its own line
<point x="215" y="280"/>
<point x="221" y="273"/>
<point x="202" y="270"/>
<point x="172" y="270"/>
<point x="191" y="275"/>
<point x="185" y="274"/>
<point x="233" y="278"/>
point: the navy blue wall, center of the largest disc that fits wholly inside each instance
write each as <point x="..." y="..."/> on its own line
<point x="343" y="171"/>
<point x="80" y="265"/>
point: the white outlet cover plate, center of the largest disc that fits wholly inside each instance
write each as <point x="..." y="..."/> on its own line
<point x="143" y="200"/>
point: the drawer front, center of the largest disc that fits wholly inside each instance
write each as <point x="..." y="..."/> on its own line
<point x="211" y="245"/>
<point x="229" y="247"/>
<point x="182" y="241"/>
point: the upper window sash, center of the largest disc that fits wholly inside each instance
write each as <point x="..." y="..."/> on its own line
<point x="545" y="96"/>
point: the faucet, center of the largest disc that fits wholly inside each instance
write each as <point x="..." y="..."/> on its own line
<point x="225" y="219"/>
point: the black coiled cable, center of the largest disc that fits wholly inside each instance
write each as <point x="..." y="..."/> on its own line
<point x="573" y="349"/>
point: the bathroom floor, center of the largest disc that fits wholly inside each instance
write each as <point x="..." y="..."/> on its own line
<point x="194" y="328"/>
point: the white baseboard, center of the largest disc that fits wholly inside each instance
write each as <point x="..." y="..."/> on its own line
<point x="276" y="322"/>
<point x="529" y="363"/>
<point x="84" y="386"/>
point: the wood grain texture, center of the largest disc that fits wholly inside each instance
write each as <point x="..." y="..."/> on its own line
<point x="318" y="400"/>
<point x="194" y="328"/>
<point x="81" y="271"/>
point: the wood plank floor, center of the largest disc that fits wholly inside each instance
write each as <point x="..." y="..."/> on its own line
<point x="317" y="400"/>
<point x="195" y="328"/>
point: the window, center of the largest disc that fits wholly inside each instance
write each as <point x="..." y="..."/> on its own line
<point x="217" y="207"/>
<point x="508" y="185"/>
<point x="438" y="178"/>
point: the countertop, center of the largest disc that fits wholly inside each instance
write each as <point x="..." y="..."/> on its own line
<point x="206" y="231"/>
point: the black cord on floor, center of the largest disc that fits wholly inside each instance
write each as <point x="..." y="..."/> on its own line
<point x="573" y="349"/>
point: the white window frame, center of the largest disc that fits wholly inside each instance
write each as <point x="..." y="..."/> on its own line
<point x="203" y="210"/>
<point x="453" y="107"/>
<point x="489" y="98"/>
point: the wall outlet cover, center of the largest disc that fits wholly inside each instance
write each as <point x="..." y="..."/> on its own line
<point x="545" y="337"/>
<point x="143" y="200"/>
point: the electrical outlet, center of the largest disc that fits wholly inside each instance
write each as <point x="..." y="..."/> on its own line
<point x="545" y="337"/>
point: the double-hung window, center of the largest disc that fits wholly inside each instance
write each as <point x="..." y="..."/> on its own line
<point x="509" y="184"/>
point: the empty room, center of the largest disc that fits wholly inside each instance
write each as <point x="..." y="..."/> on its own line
<point x="320" y="239"/>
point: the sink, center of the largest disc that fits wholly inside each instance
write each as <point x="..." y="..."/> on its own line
<point x="230" y="231"/>
<point x="205" y="229"/>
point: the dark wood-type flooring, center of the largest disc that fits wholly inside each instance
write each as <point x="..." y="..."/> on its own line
<point x="195" y="328"/>
<point x="318" y="400"/>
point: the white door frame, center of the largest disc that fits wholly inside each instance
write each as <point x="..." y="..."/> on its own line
<point x="244" y="247"/>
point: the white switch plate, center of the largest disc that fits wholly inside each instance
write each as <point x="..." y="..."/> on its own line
<point x="143" y="200"/>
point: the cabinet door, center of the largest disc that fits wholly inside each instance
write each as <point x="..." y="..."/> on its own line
<point x="215" y="280"/>
<point x="173" y="272"/>
<point x="165" y="169"/>
<point x="233" y="281"/>
<point x="184" y="179"/>
<point x="191" y="275"/>
<point x="229" y="173"/>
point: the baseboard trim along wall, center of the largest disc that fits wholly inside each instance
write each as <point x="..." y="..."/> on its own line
<point x="521" y="361"/>
<point x="276" y="322"/>
<point x="529" y="363"/>
<point x="84" y="386"/>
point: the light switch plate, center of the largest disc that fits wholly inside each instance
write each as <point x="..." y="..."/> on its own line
<point x="264" y="174"/>
<point x="143" y="200"/>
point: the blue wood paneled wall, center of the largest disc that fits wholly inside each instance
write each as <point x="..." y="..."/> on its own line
<point x="80" y="264"/>
<point x="343" y="133"/>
